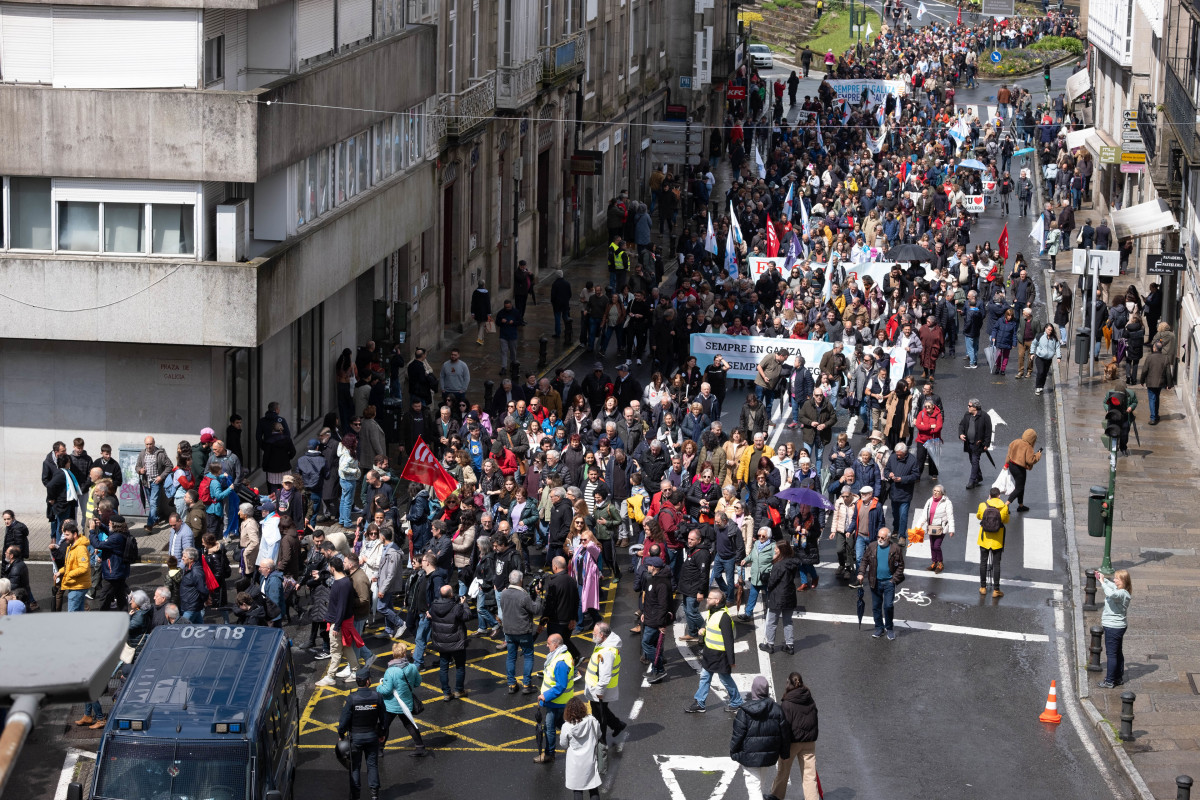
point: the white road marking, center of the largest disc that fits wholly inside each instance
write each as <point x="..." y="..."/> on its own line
<point x="726" y="769"/>
<point x="68" y="770"/>
<point x="922" y="550"/>
<point x="997" y="421"/>
<point x="764" y="658"/>
<point x="1037" y="544"/>
<point x="937" y="627"/>
<point x="972" y="540"/>
<point x="637" y="709"/>
<point x="741" y="647"/>
<point x="958" y="576"/>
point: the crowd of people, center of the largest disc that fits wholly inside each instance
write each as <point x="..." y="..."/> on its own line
<point x="564" y="482"/>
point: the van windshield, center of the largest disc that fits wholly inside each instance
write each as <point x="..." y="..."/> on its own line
<point x="158" y="769"/>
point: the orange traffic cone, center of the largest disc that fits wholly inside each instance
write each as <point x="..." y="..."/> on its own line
<point x="1051" y="713"/>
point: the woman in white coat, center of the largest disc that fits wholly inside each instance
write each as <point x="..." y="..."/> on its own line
<point x="580" y="732"/>
<point x="939" y="523"/>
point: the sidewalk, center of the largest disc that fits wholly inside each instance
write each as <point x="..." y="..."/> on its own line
<point x="1156" y="536"/>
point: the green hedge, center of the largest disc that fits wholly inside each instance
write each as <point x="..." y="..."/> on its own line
<point x="1068" y="43"/>
<point x="1019" y="62"/>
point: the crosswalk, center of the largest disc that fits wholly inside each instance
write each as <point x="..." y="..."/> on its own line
<point x="1035" y="537"/>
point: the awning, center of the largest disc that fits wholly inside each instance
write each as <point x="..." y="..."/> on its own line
<point x="1143" y="219"/>
<point x="1098" y="138"/>
<point x="1076" y="139"/>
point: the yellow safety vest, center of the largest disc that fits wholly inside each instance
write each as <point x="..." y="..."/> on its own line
<point x="713" y="638"/>
<point x="614" y="256"/>
<point x="548" y="678"/>
<point x="593" y="670"/>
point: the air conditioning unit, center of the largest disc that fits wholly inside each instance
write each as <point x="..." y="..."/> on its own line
<point x="233" y="231"/>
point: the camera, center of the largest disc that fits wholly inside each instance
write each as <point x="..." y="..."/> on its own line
<point x="534" y="587"/>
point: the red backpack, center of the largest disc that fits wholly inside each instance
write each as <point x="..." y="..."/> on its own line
<point x="206" y="491"/>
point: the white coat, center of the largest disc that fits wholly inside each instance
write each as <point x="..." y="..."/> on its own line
<point x="944" y="516"/>
<point x="580" y="738"/>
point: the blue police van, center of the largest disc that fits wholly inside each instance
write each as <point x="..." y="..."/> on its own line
<point x="208" y="712"/>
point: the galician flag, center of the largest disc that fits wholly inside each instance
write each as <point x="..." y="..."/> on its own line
<point x="735" y="230"/>
<point x="787" y="202"/>
<point x="1038" y="234"/>
<point x="920" y="10"/>
<point x="804" y="214"/>
<point x="730" y="253"/>
<point x="710" y="239"/>
<point x="870" y="31"/>
<point x="762" y="168"/>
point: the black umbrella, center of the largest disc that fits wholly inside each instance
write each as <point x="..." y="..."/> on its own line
<point x="861" y="607"/>
<point x="909" y="252"/>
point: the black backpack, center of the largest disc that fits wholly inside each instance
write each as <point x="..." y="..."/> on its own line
<point x="991" y="521"/>
<point x="131" y="555"/>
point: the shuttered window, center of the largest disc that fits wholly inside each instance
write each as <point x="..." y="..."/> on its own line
<point x="314" y="28"/>
<point x="125" y="48"/>
<point x="353" y="21"/>
<point x="25" y="43"/>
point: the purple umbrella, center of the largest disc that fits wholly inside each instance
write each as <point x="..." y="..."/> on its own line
<point x="806" y="497"/>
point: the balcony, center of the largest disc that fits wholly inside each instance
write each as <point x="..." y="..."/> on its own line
<point x="1181" y="112"/>
<point x="517" y="86"/>
<point x="563" y="61"/>
<point x="167" y="134"/>
<point x="467" y="111"/>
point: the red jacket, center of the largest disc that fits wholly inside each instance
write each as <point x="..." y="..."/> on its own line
<point x="928" y="425"/>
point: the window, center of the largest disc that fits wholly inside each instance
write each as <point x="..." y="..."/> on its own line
<point x="29" y="211"/>
<point x="302" y="209"/>
<point x="607" y="37"/>
<point x="323" y="159"/>
<point x="475" y="38"/>
<point x="568" y="13"/>
<point x="124" y="227"/>
<point x="308" y="334"/>
<point x="376" y="154"/>
<point x="172" y="229"/>
<point x="414" y="136"/>
<point x="214" y="59"/>
<point x="506" y="33"/>
<point x="310" y="187"/>
<point x="364" y="163"/>
<point x="634" y="27"/>
<point x="452" y="49"/>
<point x="591" y="54"/>
<point x="475" y="211"/>
<point x="78" y="226"/>
<point x="547" y="22"/>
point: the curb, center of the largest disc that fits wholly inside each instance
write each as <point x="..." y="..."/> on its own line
<point x="565" y="357"/>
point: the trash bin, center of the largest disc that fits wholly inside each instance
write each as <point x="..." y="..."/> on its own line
<point x="1097" y="511"/>
<point x="1082" y="337"/>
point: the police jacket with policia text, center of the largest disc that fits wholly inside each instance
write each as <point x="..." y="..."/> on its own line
<point x="362" y="717"/>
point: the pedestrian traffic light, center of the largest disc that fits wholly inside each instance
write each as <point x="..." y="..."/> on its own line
<point x="1116" y="417"/>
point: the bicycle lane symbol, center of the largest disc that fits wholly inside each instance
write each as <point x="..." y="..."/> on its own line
<point x="915" y="597"/>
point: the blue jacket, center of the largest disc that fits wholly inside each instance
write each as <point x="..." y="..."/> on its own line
<point x="192" y="589"/>
<point x="217" y="506"/>
<point x="972" y="322"/>
<point x="112" y="558"/>
<point x="272" y="589"/>
<point x="1004" y="334"/>
<point x="693" y="426"/>
<point x="506" y="323"/>
<point x="866" y="475"/>
<point x="562" y="680"/>
<point x="908" y="471"/>
<point x="401" y="677"/>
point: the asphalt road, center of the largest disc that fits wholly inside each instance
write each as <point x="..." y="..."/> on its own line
<point x="948" y="710"/>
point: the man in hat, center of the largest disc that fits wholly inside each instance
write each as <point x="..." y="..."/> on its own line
<point x="655" y="617"/>
<point x="595" y="387"/>
<point x="866" y="522"/>
<point x="628" y="388"/>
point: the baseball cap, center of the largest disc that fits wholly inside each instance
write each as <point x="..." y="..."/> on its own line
<point x="206" y="438"/>
<point x="313" y="444"/>
<point x="598" y="365"/>
<point x="654" y="561"/>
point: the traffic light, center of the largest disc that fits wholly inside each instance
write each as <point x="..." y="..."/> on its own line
<point x="1116" y="416"/>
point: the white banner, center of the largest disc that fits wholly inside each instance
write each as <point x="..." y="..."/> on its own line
<point x="877" y="90"/>
<point x="743" y="353"/>
<point x="973" y="203"/>
<point x="1077" y="84"/>
<point x="760" y="264"/>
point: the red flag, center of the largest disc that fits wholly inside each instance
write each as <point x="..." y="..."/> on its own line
<point x="772" y="239"/>
<point x="1002" y="243"/>
<point x="959" y="17"/>
<point x="903" y="173"/>
<point x="424" y="468"/>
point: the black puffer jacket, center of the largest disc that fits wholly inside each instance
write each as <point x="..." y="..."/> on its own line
<point x="801" y="713"/>
<point x="448" y="625"/>
<point x="761" y="734"/>
<point x="781" y="584"/>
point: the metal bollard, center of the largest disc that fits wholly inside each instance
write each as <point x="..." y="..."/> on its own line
<point x="543" y="344"/>
<point x="1126" y="732"/>
<point x="1183" y="787"/>
<point x="1095" y="649"/>
<point x="489" y="391"/>
<point x="1089" y="591"/>
<point x="568" y="328"/>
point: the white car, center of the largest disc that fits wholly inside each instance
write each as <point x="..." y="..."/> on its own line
<point x="761" y="56"/>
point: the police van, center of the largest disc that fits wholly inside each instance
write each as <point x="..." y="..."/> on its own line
<point x="208" y="712"/>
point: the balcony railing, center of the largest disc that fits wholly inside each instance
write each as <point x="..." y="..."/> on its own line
<point x="564" y="59"/>
<point x="1181" y="112"/>
<point x="469" y="109"/>
<point x="517" y="86"/>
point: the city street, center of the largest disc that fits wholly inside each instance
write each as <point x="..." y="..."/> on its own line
<point x="947" y="711"/>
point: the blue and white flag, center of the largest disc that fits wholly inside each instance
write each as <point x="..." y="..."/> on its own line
<point x="735" y="230"/>
<point x="762" y="168"/>
<point x="787" y="202"/>
<point x="1038" y="234"/>
<point x="730" y="253"/>
<point x="804" y="214"/>
<point x="710" y="239"/>
<point x="920" y="10"/>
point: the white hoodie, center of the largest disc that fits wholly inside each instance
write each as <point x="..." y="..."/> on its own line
<point x="604" y="671"/>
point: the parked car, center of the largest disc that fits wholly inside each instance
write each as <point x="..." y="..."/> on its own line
<point x="761" y="56"/>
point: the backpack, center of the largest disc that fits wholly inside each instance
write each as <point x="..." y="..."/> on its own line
<point x="991" y="522"/>
<point x="206" y="491"/>
<point x="131" y="554"/>
<point x="273" y="611"/>
<point x="668" y="520"/>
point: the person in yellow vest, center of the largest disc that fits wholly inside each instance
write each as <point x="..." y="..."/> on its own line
<point x="717" y="658"/>
<point x="600" y="681"/>
<point x="993" y="516"/>
<point x="558" y="680"/>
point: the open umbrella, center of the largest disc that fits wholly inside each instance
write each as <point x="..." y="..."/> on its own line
<point x="971" y="163"/>
<point x="1024" y="151"/>
<point x="806" y="497"/>
<point x="909" y="252"/>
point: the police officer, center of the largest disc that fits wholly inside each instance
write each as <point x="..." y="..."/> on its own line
<point x="717" y="658"/>
<point x="363" y="719"/>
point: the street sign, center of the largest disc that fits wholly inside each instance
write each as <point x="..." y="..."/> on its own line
<point x="998" y="8"/>
<point x="1165" y="263"/>
<point x="1083" y="260"/>
<point x="995" y="56"/>
<point x="1110" y="155"/>
<point x="685" y="81"/>
<point x="587" y="162"/>
<point x="1133" y="158"/>
<point x="1133" y="169"/>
